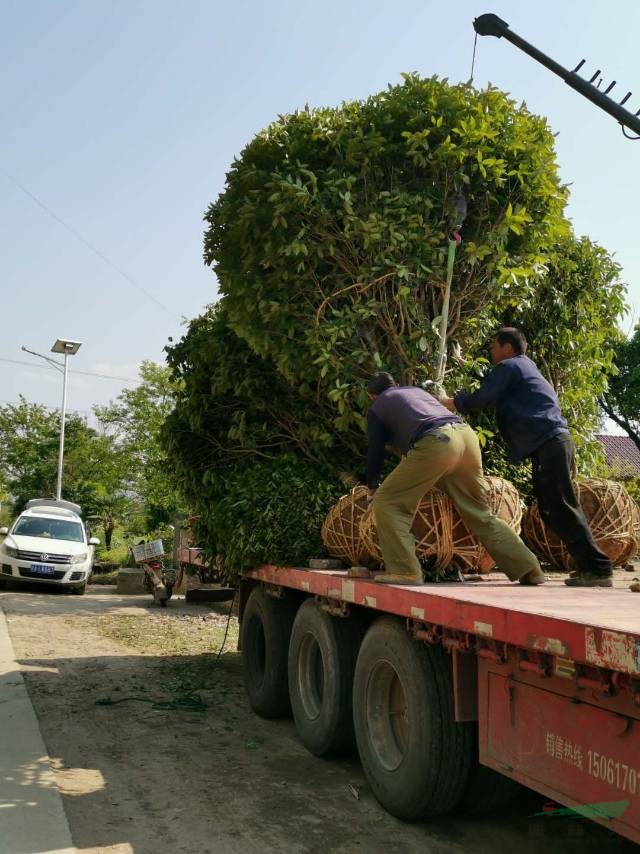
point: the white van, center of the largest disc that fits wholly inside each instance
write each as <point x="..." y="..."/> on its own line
<point x="48" y="542"/>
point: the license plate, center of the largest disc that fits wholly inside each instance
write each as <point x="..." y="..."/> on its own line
<point x="42" y="569"/>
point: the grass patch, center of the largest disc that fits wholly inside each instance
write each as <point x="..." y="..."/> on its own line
<point x="105" y="577"/>
<point x="158" y="633"/>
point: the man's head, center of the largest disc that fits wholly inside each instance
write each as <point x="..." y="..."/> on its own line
<point x="507" y="343"/>
<point x="379" y="382"/>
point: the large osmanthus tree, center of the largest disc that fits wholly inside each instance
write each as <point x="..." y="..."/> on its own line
<point x="329" y="243"/>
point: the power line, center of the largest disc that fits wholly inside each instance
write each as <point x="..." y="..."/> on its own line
<point x="84" y="373"/>
<point x="88" y="245"/>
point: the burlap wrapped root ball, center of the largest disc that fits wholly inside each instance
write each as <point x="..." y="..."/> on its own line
<point x="341" y="528"/>
<point x="441" y="535"/>
<point x="610" y="513"/>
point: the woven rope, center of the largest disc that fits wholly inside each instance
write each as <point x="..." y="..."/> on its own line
<point x="440" y="533"/>
<point x="609" y="511"/>
<point x="341" y="528"/>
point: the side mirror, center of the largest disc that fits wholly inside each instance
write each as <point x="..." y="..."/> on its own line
<point x="4" y="530"/>
<point x="93" y="541"/>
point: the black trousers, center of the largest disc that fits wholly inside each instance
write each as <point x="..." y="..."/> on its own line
<point x="559" y="507"/>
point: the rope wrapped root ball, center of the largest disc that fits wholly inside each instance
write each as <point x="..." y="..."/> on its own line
<point x="504" y="500"/>
<point x="441" y="535"/>
<point x="610" y="513"/>
<point x="341" y="527"/>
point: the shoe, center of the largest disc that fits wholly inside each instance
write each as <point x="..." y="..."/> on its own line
<point x="398" y="578"/>
<point x="533" y="578"/>
<point x="589" y="580"/>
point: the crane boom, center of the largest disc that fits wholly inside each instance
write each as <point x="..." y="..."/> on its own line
<point x="492" y="25"/>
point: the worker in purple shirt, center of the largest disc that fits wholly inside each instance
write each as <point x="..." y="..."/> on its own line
<point x="530" y="420"/>
<point x="437" y="447"/>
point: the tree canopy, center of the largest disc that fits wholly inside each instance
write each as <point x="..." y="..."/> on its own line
<point x="134" y="421"/>
<point x="329" y="243"/>
<point x="621" y="400"/>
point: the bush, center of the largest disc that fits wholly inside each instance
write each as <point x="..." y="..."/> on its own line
<point x="267" y="512"/>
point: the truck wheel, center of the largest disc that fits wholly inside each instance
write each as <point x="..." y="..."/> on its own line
<point x="322" y="660"/>
<point x="486" y="789"/>
<point x="264" y="640"/>
<point x="413" y="753"/>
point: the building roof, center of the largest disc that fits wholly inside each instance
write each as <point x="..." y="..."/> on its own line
<point x="621" y="453"/>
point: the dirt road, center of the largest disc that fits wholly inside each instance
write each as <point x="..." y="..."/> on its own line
<point x="186" y="767"/>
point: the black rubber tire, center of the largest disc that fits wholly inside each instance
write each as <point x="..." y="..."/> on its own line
<point x="486" y="789"/>
<point x="417" y="763"/>
<point x="264" y="641"/>
<point x="3" y="583"/>
<point x="79" y="590"/>
<point x="322" y="660"/>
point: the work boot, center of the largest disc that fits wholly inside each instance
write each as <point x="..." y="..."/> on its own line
<point x="533" y="578"/>
<point x="588" y="579"/>
<point x="412" y="578"/>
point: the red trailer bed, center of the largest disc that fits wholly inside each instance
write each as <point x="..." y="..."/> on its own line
<point x="551" y="674"/>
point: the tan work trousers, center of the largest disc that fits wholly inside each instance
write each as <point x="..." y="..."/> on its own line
<point x="449" y="457"/>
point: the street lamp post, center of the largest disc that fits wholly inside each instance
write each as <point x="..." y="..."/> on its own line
<point x="67" y="348"/>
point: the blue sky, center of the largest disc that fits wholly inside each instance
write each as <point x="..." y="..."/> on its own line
<point x="122" y="118"/>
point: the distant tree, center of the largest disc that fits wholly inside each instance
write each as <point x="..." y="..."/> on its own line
<point x="93" y="467"/>
<point x="621" y="400"/>
<point x="134" y="421"/>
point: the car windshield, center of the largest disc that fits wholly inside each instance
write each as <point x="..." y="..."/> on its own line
<point x="52" y="529"/>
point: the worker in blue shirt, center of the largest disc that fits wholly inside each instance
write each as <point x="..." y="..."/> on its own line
<point x="529" y="418"/>
<point x="437" y="447"/>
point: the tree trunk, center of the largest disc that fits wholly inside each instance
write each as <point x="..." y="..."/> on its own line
<point x="621" y="421"/>
<point x="108" y="533"/>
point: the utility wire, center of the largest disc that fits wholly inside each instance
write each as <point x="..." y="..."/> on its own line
<point x="88" y="245"/>
<point x="84" y="373"/>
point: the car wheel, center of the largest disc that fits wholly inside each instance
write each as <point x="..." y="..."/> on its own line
<point x="79" y="591"/>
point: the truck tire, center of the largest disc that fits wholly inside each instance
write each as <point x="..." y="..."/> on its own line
<point x="322" y="660"/>
<point x="415" y="756"/>
<point x="264" y="637"/>
<point x="486" y="790"/>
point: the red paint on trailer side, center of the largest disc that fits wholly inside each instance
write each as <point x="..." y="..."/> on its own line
<point x="574" y="752"/>
<point x="600" y="627"/>
<point x="557" y="673"/>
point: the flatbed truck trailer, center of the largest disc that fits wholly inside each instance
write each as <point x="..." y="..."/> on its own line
<point x="455" y="693"/>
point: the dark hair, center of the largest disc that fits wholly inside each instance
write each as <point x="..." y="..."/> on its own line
<point x="380" y="382"/>
<point x="513" y="336"/>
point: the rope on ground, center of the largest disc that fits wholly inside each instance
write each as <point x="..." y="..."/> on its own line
<point x="184" y="702"/>
<point x="190" y="702"/>
<point x="226" y="630"/>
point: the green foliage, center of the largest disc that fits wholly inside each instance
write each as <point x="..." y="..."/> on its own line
<point x="113" y="557"/>
<point x="29" y="444"/>
<point x="621" y="400"/>
<point x="330" y="240"/>
<point x="134" y="422"/>
<point x="267" y="511"/>
<point x="330" y="243"/>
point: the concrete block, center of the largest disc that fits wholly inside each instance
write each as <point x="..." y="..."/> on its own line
<point x="131" y="581"/>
